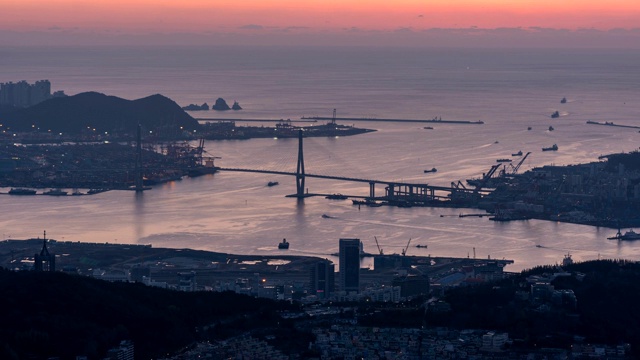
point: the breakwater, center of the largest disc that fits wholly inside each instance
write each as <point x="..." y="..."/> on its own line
<point x="608" y="123"/>
<point x="437" y="121"/>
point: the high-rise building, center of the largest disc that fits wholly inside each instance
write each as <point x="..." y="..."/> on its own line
<point x="350" y="265"/>
<point x="40" y="91"/>
<point x="322" y="277"/>
<point x="23" y="94"/>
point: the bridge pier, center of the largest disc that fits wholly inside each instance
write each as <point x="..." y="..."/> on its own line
<point x="372" y="190"/>
<point x="300" y="178"/>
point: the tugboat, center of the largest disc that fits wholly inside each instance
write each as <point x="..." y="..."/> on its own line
<point x="555" y="114"/>
<point x="272" y="183"/>
<point x="284" y="245"/>
<point x="563" y="101"/>
<point x="554" y="147"/>
<point x="519" y="153"/>
<point x="551" y="128"/>
<point x="431" y="170"/>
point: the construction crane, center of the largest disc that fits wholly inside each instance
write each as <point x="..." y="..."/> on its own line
<point x="404" y="251"/>
<point x="378" y="245"/>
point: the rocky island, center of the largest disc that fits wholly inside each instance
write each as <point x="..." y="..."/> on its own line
<point x="194" y="107"/>
<point x="220" y="105"/>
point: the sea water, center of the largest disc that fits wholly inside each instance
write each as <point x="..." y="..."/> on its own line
<point x="508" y="89"/>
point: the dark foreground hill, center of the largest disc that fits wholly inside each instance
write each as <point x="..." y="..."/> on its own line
<point x="604" y="310"/>
<point x="55" y="314"/>
<point x="92" y="110"/>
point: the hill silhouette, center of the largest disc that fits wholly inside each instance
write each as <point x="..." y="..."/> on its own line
<point x="55" y="314"/>
<point x="74" y="114"/>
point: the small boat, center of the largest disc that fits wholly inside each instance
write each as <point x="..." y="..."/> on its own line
<point x="55" y="192"/>
<point x="529" y="128"/>
<point x="628" y="235"/>
<point x="539" y="246"/>
<point x="503" y="160"/>
<point x="519" y="153"/>
<point x="555" y="114"/>
<point x="336" y="197"/>
<point x="421" y="246"/>
<point x="563" y="101"/>
<point x="428" y="128"/>
<point x="22" y="191"/>
<point x="272" y="183"/>
<point x="551" y="128"/>
<point x="554" y="147"/>
<point x="325" y="216"/>
<point x="284" y="245"/>
<point x="367" y="202"/>
<point x="95" y="191"/>
<point x="431" y="170"/>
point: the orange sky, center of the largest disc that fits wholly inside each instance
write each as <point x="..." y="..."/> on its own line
<point x="212" y="16"/>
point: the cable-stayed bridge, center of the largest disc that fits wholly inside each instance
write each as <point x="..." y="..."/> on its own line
<point x="394" y="191"/>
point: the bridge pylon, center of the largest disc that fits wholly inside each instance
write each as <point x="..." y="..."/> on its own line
<point x="300" y="176"/>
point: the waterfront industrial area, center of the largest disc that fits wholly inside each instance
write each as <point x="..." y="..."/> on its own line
<point x="400" y="306"/>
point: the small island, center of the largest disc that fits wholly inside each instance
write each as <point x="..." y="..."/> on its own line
<point x="194" y="107"/>
<point x="220" y="105"/>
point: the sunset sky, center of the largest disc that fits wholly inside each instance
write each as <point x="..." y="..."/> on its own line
<point x="309" y="17"/>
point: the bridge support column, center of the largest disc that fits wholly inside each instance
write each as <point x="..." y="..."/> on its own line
<point x="372" y="190"/>
<point x="300" y="169"/>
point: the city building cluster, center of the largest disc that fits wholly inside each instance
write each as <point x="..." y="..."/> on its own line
<point x="22" y="94"/>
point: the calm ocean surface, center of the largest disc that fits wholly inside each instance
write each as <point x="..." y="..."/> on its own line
<point x="236" y="212"/>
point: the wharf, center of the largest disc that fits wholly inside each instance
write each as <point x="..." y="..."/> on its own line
<point x="437" y="121"/>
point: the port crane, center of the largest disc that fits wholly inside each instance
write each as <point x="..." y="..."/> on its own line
<point x="512" y="170"/>
<point x="378" y="245"/>
<point x="404" y="251"/>
<point x="485" y="178"/>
